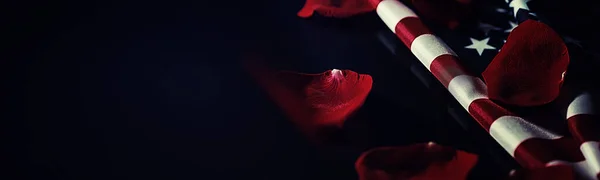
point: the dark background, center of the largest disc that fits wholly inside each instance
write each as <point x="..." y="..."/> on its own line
<point x="155" y="90"/>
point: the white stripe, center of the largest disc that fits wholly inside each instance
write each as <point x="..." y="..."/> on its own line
<point x="427" y="47"/>
<point x="591" y="152"/>
<point x="511" y="131"/>
<point x="581" y="169"/>
<point x="467" y="89"/>
<point x="582" y="104"/>
<point x="392" y="11"/>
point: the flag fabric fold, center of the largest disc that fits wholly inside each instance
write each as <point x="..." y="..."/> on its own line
<point x="579" y="108"/>
<point x="524" y="70"/>
<point x="532" y="145"/>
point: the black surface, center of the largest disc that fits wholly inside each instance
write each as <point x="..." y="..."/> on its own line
<point x="155" y="90"/>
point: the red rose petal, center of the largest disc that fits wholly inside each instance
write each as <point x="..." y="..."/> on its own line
<point x="448" y="13"/>
<point x="316" y="103"/>
<point x="335" y="8"/>
<point x="336" y="94"/>
<point x="330" y="96"/>
<point x="562" y="172"/>
<point x="529" y="69"/>
<point x="415" y="162"/>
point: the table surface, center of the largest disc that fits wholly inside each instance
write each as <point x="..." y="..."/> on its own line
<point x="131" y="90"/>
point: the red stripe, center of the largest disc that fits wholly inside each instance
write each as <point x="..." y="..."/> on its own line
<point x="582" y="127"/>
<point x="445" y="68"/>
<point x="410" y="28"/>
<point x="535" y="152"/>
<point x="485" y="112"/>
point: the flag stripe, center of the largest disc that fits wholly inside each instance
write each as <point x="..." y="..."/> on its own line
<point x="391" y="12"/>
<point x="467" y="89"/>
<point x="581" y="168"/>
<point x="485" y="111"/>
<point x="583" y="127"/>
<point x="510" y="131"/>
<point x="581" y="104"/>
<point x="582" y="122"/>
<point x="411" y="28"/>
<point x="591" y="153"/>
<point x="445" y="67"/>
<point x="522" y="139"/>
<point x="537" y="152"/>
<point x="427" y="47"/>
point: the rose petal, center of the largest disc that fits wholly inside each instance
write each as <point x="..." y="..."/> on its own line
<point x="318" y="104"/>
<point x="330" y="96"/>
<point x="528" y="70"/>
<point x="418" y="161"/>
<point x="335" y="8"/>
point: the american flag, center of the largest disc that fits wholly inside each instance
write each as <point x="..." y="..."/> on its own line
<point x="521" y="76"/>
<point x="457" y="57"/>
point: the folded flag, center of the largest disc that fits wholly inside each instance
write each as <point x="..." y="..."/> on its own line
<point x="512" y="77"/>
<point x="577" y="104"/>
<point x="532" y="145"/>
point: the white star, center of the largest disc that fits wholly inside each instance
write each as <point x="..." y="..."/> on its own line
<point x="480" y="45"/>
<point x="486" y="28"/>
<point x="518" y="4"/>
<point x="512" y="26"/>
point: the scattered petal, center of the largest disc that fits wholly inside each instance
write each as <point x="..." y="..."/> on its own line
<point x="335" y="8"/>
<point x="317" y="103"/>
<point x="415" y="162"/>
<point x="528" y="71"/>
